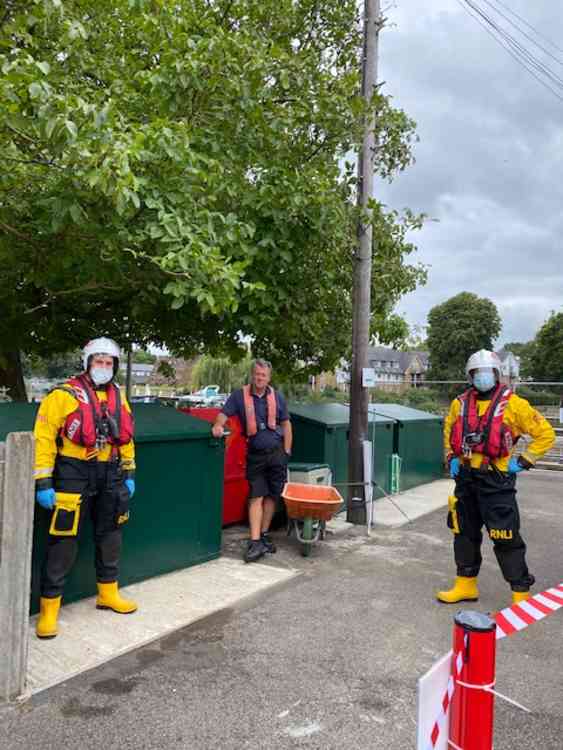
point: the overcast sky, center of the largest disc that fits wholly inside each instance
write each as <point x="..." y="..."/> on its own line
<point x="489" y="165"/>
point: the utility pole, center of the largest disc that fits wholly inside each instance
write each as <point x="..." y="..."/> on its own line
<point x="128" y="378"/>
<point x="362" y="272"/>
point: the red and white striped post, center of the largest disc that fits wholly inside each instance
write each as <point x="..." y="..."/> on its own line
<point x="472" y="708"/>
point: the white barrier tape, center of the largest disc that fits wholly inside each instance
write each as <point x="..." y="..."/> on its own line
<point x="517" y="617"/>
<point x="510" y="700"/>
<point x="490" y="689"/>
<point x="473" y="686"/>
<point x="509" y="621"/>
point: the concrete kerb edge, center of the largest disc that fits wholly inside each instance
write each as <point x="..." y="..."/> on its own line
<point x="244" y="602"/>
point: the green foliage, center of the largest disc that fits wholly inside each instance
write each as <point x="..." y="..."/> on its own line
<point x="56" y="367"/>
<point x="415" y="340"/>
<point x="546" y="361"/>
<point x="221" y="371"/>
<point x="33" y="366"/>
<point x="538" y="397"/>
<point x="425" y="399"/>
<point x="141" y="357"/>
<point x="172" y="174"/>
<point x="166" y="370"/>
<point x="457" y="328"/>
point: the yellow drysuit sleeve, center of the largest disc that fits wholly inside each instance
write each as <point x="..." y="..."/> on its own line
<point x="523" y="419"/>
<point x="127" y="451"/>
<point x="53" y="411"/>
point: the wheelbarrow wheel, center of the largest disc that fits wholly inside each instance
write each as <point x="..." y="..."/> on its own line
<point x="307" y="537"/>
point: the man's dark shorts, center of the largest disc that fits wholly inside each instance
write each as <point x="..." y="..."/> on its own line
<point x="266" y="472"/>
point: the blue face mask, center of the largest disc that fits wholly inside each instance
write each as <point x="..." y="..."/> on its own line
<point x="484" y="380"/>
<point x="101" y="375"/>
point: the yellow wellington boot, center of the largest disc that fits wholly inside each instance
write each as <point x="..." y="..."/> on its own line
<point x="520" y="596"/>
<point x="464" y="590"/>
<point x="110" y="598"/>
<point x="48" y="613"/>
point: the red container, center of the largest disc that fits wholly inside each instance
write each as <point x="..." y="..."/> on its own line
<point x="235" y="488"/>
<point x="472" y="709"/>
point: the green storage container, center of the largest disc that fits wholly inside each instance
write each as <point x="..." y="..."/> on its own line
<point x="177" y="507"/>
<point x="320" y="435"/>
<point x="417" y="439"/>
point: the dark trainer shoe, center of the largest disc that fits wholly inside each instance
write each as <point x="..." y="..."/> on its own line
<point x="254" y="551"/>
<point x="267" y="543"/>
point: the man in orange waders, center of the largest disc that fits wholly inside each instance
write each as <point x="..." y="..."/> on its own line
<point x="84" y="464"/>
<point x="481" y="432"/>
<point x="265" y="420"/>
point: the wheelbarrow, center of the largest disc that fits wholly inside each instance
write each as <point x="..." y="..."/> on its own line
<point x="309" y="507"/>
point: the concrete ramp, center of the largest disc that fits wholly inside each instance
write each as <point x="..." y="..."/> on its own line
<point x="89" y="637"/>
<point x="406" y="506"/>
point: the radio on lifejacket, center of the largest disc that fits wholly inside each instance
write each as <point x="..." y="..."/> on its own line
<point x="107" y="427"/>
<point x="470" y="441"/>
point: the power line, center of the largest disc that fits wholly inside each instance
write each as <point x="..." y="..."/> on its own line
<point x="524" y="33"/>
<point x="529" y="25"/>
<point x="520" y="49"/>
<point x="517" y="51"/>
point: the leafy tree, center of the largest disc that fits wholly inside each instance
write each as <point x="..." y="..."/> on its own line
<point x="174" y="176"/>
<point x="457" y="328"/>
<point x="141" y="357"/>
<point x="167" y="371"/>
<point x="56" y="367"/>
<point x="415" y="340"/>
<point x="33" y="366"/>
<point x="547" y="356"/>
<point x="220" y="371"/>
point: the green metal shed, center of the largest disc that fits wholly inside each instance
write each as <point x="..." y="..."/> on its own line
<point x="418" y="441"/>
<point x="175" y="512"/>
<point x="320" y="435"/>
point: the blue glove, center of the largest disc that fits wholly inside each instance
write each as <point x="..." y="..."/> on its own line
<point x="130" y="484"/>
<point x="514" y="467"/>
<point x="46" y="498"/>
<point x="454" y="467"/>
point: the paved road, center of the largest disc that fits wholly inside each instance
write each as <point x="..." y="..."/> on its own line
<point x="330" y="660"/>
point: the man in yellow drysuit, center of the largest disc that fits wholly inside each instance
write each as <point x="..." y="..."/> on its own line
<point x="84" y="463"/>
<point x="481" y="433"/>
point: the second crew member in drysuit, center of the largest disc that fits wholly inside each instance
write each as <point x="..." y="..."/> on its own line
<point x="85" y="464"/>
<point x="481" y="433"/>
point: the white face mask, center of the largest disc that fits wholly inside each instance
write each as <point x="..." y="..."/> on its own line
<point x="101" y="375"/>
<point x="484" y="379"/>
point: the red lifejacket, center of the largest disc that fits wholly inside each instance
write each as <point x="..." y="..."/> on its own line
<point x="83" y="425"/>
<point x="487" y="434"/>
<point x="250" y="414"/>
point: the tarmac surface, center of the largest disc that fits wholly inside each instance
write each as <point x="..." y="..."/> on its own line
<point x="329" y="659"/>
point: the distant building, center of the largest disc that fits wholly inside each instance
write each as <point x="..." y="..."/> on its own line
<point x="140" y="372"/>
<point x="510" y="365"/>
<point x="395" y="369"/>
<point x="177" y="372"/>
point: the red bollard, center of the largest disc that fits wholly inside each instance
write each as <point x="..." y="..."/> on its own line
<point x="472" y="708"/>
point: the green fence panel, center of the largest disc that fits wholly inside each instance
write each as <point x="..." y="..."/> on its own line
<point x="175" y="513"/>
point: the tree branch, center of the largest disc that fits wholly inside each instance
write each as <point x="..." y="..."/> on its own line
<point x="89" y="287"/>
<point x="35" y="161"/>
<point x="11" y="230"/>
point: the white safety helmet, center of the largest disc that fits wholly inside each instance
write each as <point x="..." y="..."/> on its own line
<point x="482" y="358"/>
<point x="101" y="346"/>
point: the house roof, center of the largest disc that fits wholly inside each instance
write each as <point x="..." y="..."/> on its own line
<point x="386" y="354"/>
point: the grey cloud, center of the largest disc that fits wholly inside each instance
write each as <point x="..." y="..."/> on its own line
<point x="488" y="166"/>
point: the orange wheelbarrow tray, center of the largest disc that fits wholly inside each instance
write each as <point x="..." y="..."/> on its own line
<point x="309" y="507"/>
